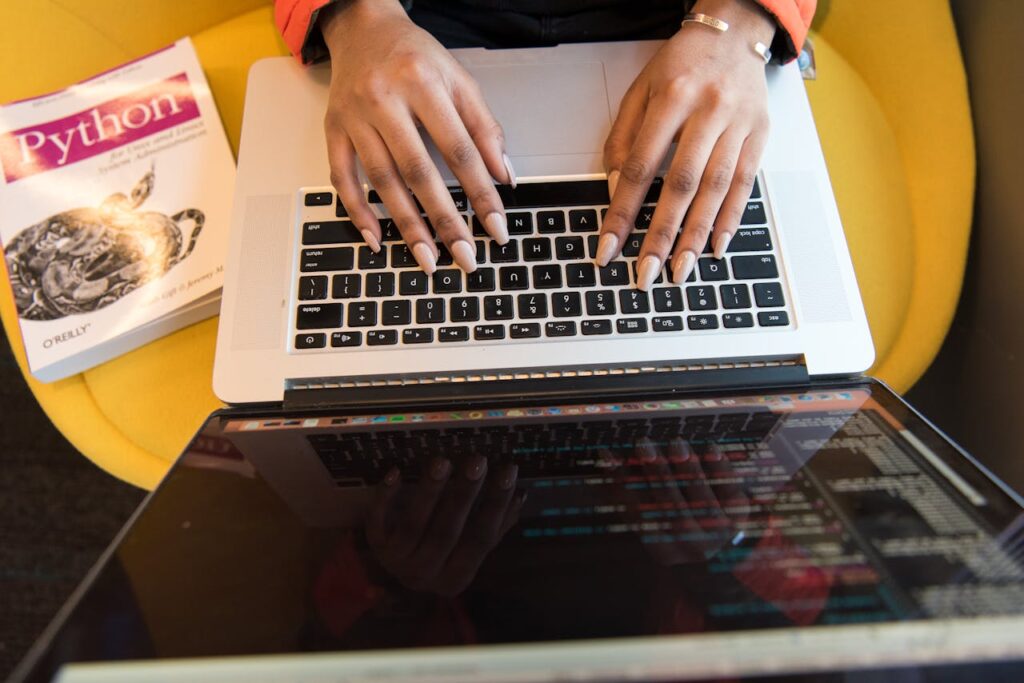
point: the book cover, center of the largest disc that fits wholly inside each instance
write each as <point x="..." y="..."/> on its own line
<point x="114" y="210"/>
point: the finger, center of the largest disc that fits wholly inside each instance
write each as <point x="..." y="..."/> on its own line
<point x="410" y="526"/>
<point x="460" y="152"/>
<point x="682" y="183"/>
<point x="384" y="177"/>
<point x="686" y="464"/>
<point x="485" y="130"/>
<point x="726" y="484"/>
<point x="623" y="133"/>
<point x="635" y="176"/>
<point x="341" y="157"/>
<point x="381" y="508"/>
<point x="735" y="202"/>
<point x="420" y="173"/>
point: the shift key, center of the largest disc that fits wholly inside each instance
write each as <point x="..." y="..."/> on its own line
<point x="330" y="232"/>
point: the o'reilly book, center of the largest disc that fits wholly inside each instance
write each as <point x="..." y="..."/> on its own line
<point x="114" y="206"/>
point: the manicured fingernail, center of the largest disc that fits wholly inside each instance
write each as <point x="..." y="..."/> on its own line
<point x="464" y="254"/>
<point x="721" y="244"/>
<point x="508" y="477"/>
<point x="647" y="272"/>
<point x="613" y="181"/>
<point x="511" y="171"/>
<point x="607" y="248"/>
<point x="391" y="478"/>
<point x="425" y="257"/>
<point x="439" y="469"/>
<point x="371" y="240"/>
<point x="683" y="267"/>
<point x="497" y="227"/>
<point x="476" y="467"/>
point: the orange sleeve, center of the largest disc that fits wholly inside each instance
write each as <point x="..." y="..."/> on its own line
<point x="794" y="19"/>
<point x="295" y="19"/>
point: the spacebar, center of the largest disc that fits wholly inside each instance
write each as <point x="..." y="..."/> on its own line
<point x="562" y="193"/>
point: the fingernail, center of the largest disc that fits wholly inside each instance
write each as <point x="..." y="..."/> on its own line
<point x="439" y="469"/>
<point x="511" y="171"/>
<point x="508" y="478"/>
<point x="683" y="267"/>
<point x="613" y="182"/>
<point x="391" y="478"/>
<point x="721" y="244"/>
<point x="497" y="227"/>
<point x="647" y="272"/>
<point x="370" y="240"/>
<point x="425" y="257"/>
<point x="464" y="254"/>
<point x="476" y="467"/>
<point x="607" y="248"/>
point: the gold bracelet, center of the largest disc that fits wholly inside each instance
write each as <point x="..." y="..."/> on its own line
<point x="707" y="20"/>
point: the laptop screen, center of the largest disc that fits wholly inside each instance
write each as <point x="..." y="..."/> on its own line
<point x="672" y="538"/>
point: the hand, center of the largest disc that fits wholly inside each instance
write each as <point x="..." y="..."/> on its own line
<point x="387" y="77"/>
<point x="431" y="543"/>
<point x="709" y="88"/>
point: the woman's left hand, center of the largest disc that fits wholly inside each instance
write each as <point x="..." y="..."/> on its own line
<point x="708" y="87"/>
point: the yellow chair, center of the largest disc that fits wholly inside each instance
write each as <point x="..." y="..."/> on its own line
<point x="890" y="103"/>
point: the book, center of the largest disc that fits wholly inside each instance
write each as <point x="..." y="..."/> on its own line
<point x="115" y="201"/>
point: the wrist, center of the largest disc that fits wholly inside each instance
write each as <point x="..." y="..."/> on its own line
<point x="340" y="16"/>
<point x="746" y="17"/>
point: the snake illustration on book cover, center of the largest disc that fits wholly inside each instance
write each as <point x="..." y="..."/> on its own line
<point x="82" y="260"/>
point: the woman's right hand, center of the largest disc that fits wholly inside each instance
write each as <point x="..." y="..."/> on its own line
<point x="388" y="76"/>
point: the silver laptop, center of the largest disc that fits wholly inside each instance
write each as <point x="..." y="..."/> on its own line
<point x="309" y="314"/>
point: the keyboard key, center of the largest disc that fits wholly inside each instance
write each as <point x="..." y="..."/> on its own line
<point x="401" y="256"/>
<point x="633" y="301"/>
<point x="733" y="320"/>
<point x="533" y="306"/>
<point x="459" y="198"/>
<point x="362" y="314"/>
<point x="547" y="276"/>
<point x="601" y="302"/>
<point x="644" y="217"/>
<point x="701" y="298"/>
<point x="580" y="275"/>
<point x="488" y="332"/>
<point x="369" y="260"/>
<point x="343" y="339"/>
<point x="550" y="221"/>
<point x="595" y="327"/>
<point x="396" y="312"/>
<point x="754" y="267"/>
<point x="750" y="239"/>
<point x="444" y="257"/>
<point x="480" y="280"/>
<point x="381" y="337"/>
<point x="498" y="307"/>
<point x="380" y="284"/>
<point x="754" y="214"/>
<point x="417" y="335"/>
<point x="429" y="311"/>
<point x="769" y="295"/>
<point x="315" y="340"/>
<point x="447" y="281"/>
<point x="734" y="296"/>
<point x="339" y="258"/>
<point x="566" y="305"/>
<point x="592" y="241"/>
<point x="453" y="334"/>
<point x="339" y="209"/>
<point x="632" y="246"/>
<point x="537" y="249"/>
<point x="331" y="232"/>
<point x="524" y="330"/>
<point x="346" y="286"/>
<point x="561" y="328"/>
<point x="569" y="248"/>
<point x="520" y="223"/>
<point x="318" y="316"/>
<point x="583" y="220"/>
<point x="478" y="227"/>
<point x="481" y="251"/>
<point x="755" y="193"/>
<point x="657" y="280"/>
<point x="313" y="287"/>
<point x="412" y="282"/>
<point x="615" y="273"/>
<point x="702" y="322"/>
<point x="513" y="277"/>
<point x="712" y="270"/>
<point x="464" y="309"/>
<point x="668" y="299"/>
<point x="631" y="325"/>
<point x="773" y="319"/>
<point x="505" y="253"/>
<point x="668" y="323"/>
<point x="389" y="231"/>
<point x="319" y="198"/>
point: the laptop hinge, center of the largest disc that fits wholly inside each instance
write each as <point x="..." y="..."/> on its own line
<point x="544" y="384"/>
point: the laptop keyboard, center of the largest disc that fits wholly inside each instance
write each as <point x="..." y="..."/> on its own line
<point x="541" y="285"/>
